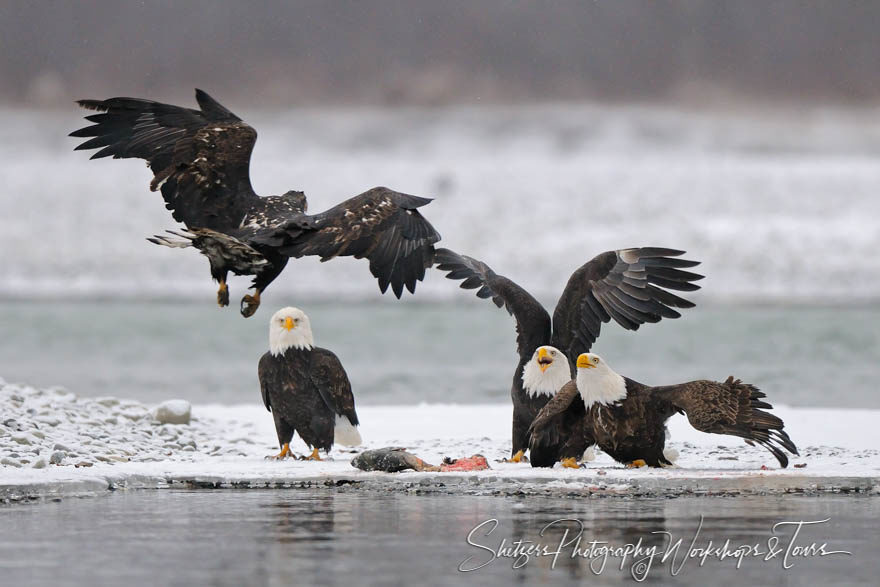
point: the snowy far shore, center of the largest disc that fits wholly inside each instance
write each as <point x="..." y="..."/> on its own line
<point x="54" y="443"/>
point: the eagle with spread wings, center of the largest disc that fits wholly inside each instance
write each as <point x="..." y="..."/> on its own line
<point x="200" y="161"/>
<point x="628" y="286"/>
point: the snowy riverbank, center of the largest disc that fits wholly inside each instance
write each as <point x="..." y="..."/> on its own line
<point x="53" y="442"/>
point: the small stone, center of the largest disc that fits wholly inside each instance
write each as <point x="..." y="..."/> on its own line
<point x="59" y="446"/>
<point x="38" y="434"/>
<point x="107" y="402"/>
<point x="39" y="464"/>
<point x="21" y="439"/>
<point x="10" y="462"/>
<point x="175" y="411"/>
<point x="83" y="464"/>
<point x="57" y="457"/>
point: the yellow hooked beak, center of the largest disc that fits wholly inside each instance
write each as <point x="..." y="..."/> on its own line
<point x="288" y="324"/>
<point x="544" y="360"/>
<point x="584" y="362"/>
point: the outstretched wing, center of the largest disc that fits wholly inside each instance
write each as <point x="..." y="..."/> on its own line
<point x="532" y="320"/>
<point x="732" y="407"/>
<point x="200" y="158"/>
<point x="332" y="383"/>
<point x="558" y="418"/>
<point x="382" y="225"/>
<point x="626" y="285"/>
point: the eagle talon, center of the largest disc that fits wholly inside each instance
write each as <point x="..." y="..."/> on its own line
<point x="223" y="295"/>
<point x="313" y="457"/>
<point x="638" y="463"/>
<point x="570" y="463"/>
<point x="519" y="457"/>
<point x="285" y="452"/>
<point x="249" y="304"/>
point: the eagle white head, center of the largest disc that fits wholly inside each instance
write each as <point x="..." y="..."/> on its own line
<point x="597" y="382"/>
<point x="289" y="328"/>
<point x="546" y="372"/>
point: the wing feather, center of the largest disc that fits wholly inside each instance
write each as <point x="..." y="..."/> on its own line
<point x="329" y="377"/>
<point x="200" y="158"/>
<point x="624" y="286"/>
<point x="733" y="408"/>
<point x="381" y="225"/>
<point x="532" y="320"/>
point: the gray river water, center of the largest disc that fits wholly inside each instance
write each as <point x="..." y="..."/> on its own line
<point x="330" y="537"/>
<point x="406" y="353"/>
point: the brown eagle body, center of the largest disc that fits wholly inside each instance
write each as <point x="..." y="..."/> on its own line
<point x="634" y="427"/>
<point x="624" y="285"/>
<point x="306" y="390"/>
<point x="201" y="164"/>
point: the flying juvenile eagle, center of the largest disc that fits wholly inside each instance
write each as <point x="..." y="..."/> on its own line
<point x="623" y="285"/>
<point x="305" y="387"/>
<point x="200" y="161"/>
<point x="628" y="420"/>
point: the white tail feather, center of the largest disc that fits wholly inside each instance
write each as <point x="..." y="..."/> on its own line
<point x="346" y="434"/>
<point x="589" y="455"/>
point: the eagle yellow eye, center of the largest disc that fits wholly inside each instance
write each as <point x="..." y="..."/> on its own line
<point x="596" y="360"/>
<point x="553" y="353"/>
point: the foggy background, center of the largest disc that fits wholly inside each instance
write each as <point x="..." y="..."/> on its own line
<point x="426" y="52"/>
<point x="746" y="133"/>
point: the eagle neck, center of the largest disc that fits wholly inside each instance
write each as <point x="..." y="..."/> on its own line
<point x="604" y="387"/>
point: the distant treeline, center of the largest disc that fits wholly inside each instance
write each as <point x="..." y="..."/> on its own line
<point x="428" y="51"/>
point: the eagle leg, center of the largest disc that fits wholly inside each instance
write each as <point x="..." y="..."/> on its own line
<point x="223" y="294"/>
<point x="250" y="303"/>
<point x="570" y="463"/>
<point x="636" y="464"/>
<point x="285" y="451"/>
<point x="314" y="456"/>
<point x="517" y="458"/>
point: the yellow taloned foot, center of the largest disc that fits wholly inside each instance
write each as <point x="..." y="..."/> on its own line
<point x="517" y="458"/>
<point x="250" y="303"/>
<point x="314" y="456"/>
<point x="223" y="295"/>
<point x="570" y="463"/>
<point x="637" y="464"/>
<point x="285" y="451"/>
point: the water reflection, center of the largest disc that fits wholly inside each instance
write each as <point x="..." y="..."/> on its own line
<point x="323" y="537"/>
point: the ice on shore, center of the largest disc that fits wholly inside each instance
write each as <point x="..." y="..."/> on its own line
<point x="55" y="442"/>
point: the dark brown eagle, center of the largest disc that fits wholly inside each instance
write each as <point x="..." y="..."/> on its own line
<point x="200" y="161"/>
<point x="628" y="419"/>
<point x="305" y="387"/>
<point x="624" y="285"/>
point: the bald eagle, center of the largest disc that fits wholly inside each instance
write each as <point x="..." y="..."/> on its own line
<point x="200" y="160"/>
<point x="628" y="419"/>
<point x="624" y="285"/>
<point x="305" y="387"/>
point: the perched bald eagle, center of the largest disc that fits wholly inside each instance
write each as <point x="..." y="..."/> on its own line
<point x="628" y="419"/>
<point x="624" y="285"/>
<point x="200" y="161"/>
<point x="305" y="387"/>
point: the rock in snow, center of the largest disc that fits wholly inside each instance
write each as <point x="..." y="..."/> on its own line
<point x="175" y="411"/>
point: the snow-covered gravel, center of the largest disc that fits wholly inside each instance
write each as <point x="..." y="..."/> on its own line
<point x="53" y="442"/>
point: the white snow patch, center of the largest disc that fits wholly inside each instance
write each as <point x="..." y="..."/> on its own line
<point x="86" y="442"/>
